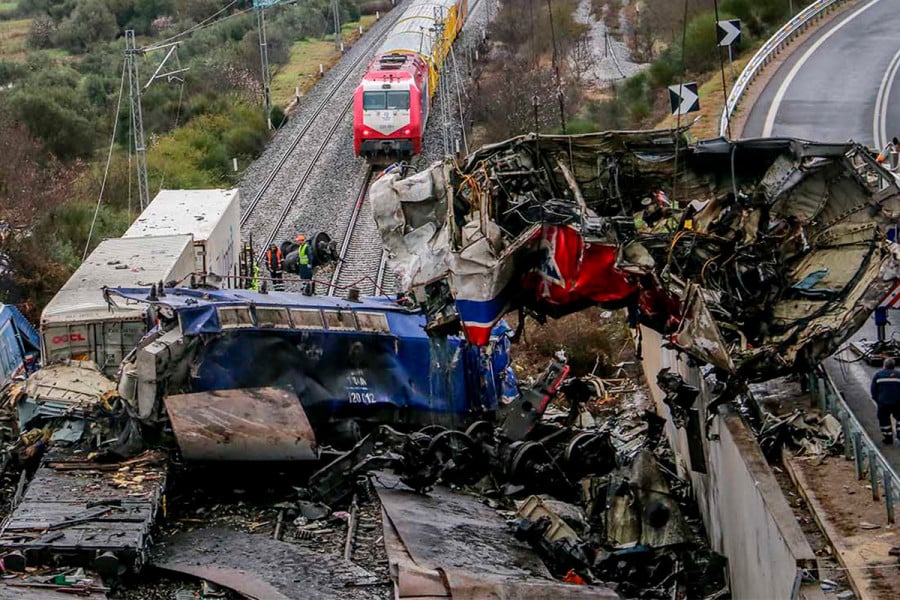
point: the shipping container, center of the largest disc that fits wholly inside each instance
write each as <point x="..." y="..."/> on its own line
<point x="78" y="323"/>
<point x="211" y="216"/>
<point x="19" y="345"/>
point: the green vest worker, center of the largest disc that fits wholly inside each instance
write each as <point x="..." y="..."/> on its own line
<point x="303" y="257"/>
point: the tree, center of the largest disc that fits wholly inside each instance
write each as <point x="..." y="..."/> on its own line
<point x="30" y="179"/>
<point x="64" y="133"/>
<point x="89" y="22"/>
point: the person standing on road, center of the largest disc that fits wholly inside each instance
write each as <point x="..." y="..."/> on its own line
<point x="276" y="268"/>
<point x="886" y="394"/>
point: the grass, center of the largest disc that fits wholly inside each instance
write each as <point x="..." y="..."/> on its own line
<point x="302" y="71"/>
<point x="7" y="8"/>
<point x="14" y="38"/>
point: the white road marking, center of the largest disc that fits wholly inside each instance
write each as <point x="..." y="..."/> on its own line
<point x="782" y="90"/>
<point x="879" y="121"/>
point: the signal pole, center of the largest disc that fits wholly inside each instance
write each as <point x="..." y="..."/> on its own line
<point x="264" y="60"/>
<point x="137" y="118"/>
<point x="336" y="11"/>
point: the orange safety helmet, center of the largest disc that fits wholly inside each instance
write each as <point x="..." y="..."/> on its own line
<point x="301" y="238"/>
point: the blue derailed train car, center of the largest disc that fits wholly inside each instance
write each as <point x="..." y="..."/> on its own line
<point x="20" y="345"/>
<point x="353" y="364"/>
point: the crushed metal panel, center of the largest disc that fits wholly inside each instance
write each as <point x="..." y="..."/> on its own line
<point x="448" y="545"/>
<point x="262" y="568"/>
<point x="747" y="230"/>
<point x="698" y="332"/>
<point x="445" y="567"/>
<point x="448" y="530"/>
<point x="242" y="425"/>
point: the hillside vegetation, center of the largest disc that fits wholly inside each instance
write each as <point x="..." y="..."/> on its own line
<point x="61" y="74"/>
<point x="525" y="61"/>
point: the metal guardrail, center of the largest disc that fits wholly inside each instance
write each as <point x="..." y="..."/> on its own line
<point x="764" y="55"/>
<point x="857" y="444"/>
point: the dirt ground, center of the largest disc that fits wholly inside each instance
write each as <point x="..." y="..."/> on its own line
<point x="856" y="524"/>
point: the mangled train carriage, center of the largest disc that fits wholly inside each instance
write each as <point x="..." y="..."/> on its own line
<point x="757" y="256"/>
<point x="253" y="376"/>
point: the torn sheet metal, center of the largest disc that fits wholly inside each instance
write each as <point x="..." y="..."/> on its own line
<point x="242" y="425"/>
<point x="642" y="510"/>
<point x="261" y="568"/>
<point x="451" y="545"/>
<point x="784" y="239"/>
<point x="70" y="388"/>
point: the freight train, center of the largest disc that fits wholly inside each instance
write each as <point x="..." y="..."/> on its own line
<point x="393" y="101"/>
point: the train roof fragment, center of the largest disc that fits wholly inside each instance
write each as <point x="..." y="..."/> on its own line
<point x="757" y="256"/>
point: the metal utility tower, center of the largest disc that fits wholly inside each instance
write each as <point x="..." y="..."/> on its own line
<point x="137" y="118"/>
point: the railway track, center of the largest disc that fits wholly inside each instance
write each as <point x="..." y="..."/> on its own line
<point x="363" y="262"/>
<point x="267" y="200"/>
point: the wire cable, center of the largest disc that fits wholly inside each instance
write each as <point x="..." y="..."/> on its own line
<point x="202" y="24"/>
<point x="112" y="143"/>
<point x="177" y="114"/>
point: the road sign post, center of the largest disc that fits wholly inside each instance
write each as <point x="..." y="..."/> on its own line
<point x="684" y="98"/>
<point x="728" y="33"/>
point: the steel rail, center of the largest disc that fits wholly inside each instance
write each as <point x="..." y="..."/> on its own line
<point x="286" y="209"/>
<point x="361" y="198"/>
<point x="325" y="102"/>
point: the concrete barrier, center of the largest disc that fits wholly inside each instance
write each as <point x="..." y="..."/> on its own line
<point x="746" y="515"/>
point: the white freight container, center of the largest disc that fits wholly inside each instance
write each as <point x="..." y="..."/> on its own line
<point x="79" y="324"/>
<point x="211" y="216"/>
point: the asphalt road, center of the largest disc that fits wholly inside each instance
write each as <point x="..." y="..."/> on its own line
<point x="840" y="84"/>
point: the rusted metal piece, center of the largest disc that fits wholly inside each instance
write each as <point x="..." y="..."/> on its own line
<point x="255" y="424"/>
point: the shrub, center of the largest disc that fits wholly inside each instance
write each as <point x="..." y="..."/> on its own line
<point x="370" y="7"/>
<point x="90" y="21"/>
<point x="664" y="70"/>
<point x="278" y="117"/>
<point x="41" y="32"/>
<point x="701" y="51"/>
<point x="63" y="132"/>
<point x="11" y="71"/>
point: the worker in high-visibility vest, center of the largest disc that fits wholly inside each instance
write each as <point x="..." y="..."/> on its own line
<point x="275" y="266"/>
<point x="254" y="283"/>
<point x="303" y="255"/>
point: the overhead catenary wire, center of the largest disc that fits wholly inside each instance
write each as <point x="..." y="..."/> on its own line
<point x="178" y="109"/>
<point x="112" y="143"/>
<point x="202" y="24"/>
